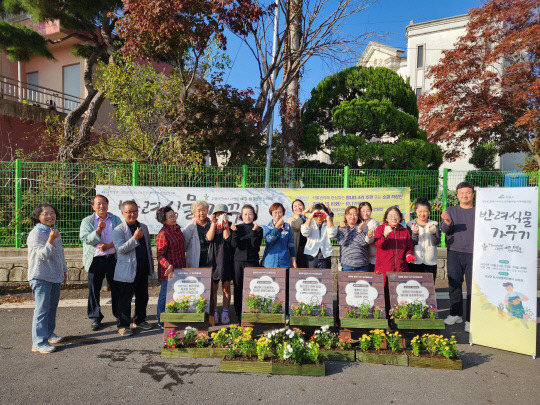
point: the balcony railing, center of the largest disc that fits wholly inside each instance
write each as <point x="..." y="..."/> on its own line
<point x="23" y="92"/>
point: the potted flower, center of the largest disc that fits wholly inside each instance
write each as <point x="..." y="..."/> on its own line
<point x="363" y="316"/>
<point x="224" y="339"/>
<point x="185" y="344"/>
<point x="415" y="315"/>
<point x="310" y="315"/>
<point x="332" y="347"/>
<point x="370" y="348"/>
<point x="434" y="351"/>
<point x="185" y="309"/>
<point x="263" y="310"/>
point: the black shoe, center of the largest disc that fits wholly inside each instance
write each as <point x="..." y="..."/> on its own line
<point x="95" y="325"/>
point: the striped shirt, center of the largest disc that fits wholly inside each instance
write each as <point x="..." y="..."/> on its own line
<point x="354" y="249"/>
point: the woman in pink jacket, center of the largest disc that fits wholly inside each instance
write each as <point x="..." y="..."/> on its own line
<point x="394" y="244"/>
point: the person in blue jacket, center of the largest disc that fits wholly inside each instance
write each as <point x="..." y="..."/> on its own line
<point x="279" y="250"/>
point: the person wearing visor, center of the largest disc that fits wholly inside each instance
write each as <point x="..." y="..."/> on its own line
<point x="220" y="257"/>
<point x="319" y="229"/>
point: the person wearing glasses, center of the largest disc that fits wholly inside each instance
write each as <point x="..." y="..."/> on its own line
<point x="99" y="257"/>
<point x="171" y="253"/>
<point x="133" y="266"/>
<point x="46" y="271"/>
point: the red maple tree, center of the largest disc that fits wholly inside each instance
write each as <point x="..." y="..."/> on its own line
<point x="487" y="88"/>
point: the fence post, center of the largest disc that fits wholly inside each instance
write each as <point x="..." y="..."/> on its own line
<point x="538" y="185"/>
<point x="244" y="176"/>
<point x="18" y="203"/>
<point x="135" y="173"/>
<point x="346" y="177"/>
<point x="444" y="202"/>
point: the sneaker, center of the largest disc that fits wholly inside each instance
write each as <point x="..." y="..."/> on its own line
<point x="160" y="325"/>
<point x="143" y="325"/>
<point x="45" y="349"/>
<point x="55" y="339"/>
<point x="225" y="318"/>
<point x="452" y="319"/>
<point x="467" y="326"/>
<point x="125" y="332"/>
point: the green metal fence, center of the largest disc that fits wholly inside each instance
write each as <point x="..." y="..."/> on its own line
<point x="70" y="186"/>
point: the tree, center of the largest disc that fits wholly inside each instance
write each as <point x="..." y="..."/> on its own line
<point x="89" y="21"/>
<point x="373" y="116"/>
<point x="487" y="88"/>
<point x="159" y="124"/>
<point x="484" y="156"/>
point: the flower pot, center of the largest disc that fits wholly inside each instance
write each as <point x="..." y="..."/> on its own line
<point x="395" y="359"/>
<point x="259" y="317"/>
<point x="434" y="362"/>
<point x="337" y="355"/>
<point x="245" y="366"/>
<point x="182" y="317"/>
<point x="298" y="369"/>
<point x="185" y="353"/>
<point x="303" y="320"/>
<point x="358" y="323"/>
<point x="419" y="323"/>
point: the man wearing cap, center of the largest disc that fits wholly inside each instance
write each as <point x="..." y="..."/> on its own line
<point x="99" y="257"/>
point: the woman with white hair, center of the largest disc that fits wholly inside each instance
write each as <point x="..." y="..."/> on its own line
<point x="194" y="236"/>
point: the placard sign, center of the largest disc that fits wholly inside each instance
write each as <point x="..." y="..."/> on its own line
<point x="356" y="288"/>
<point x="266" y="283"/>
<point x="192" y="283"/>
<point x="412" y="287"/>
<point x="312" y="287"/>
<point x="504" y="296"/>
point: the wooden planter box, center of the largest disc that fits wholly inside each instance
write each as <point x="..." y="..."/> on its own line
<point x="419" y="323"/>
<point x="357" y="323"/>
<point x="382" y="358"/>
<point x="337" y="355"/>
<point x="182" y="317"/>
<point x="194" y="353"/>
<point x="304" y="320"/>
<point x="244" y="366"/>
<point x="185" y="353"/>
<point x="431" y="362"/>
<point x="258" y="317"/>
<point x="299" y="369"/>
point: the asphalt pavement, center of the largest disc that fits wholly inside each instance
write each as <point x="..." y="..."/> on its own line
<point x="103" y="368"/>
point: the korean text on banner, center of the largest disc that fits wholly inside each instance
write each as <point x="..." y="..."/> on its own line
<point x="503" y="304"/>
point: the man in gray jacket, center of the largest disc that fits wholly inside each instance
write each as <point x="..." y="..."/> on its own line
<point x="99" y="256"/>
<point x="133" y="266"/>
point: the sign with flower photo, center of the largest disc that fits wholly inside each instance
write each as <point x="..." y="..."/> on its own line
<point x="188" y="290"/>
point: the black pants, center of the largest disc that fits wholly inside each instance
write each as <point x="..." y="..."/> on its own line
<point x="459" y="265"/>
<point x="101" y="267"/>
<point x="239" y="285"/>
<point x="423" y="268"/>
<point x="319" y="262"/>
<point x="139" y="288"/>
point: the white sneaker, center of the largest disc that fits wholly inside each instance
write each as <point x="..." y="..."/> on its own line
<point x="225" y="318"/>
<point x="450" y="320"/>
<point x="467" y="326"/>
<point x="216" y="318"/>
<point x="54" y="338"/>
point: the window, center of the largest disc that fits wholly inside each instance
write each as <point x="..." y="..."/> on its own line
<point x="418" y="91"/>
<point x="420" y="57"/>
<point x="33" y="80"/>
<point x="72" y="86"/>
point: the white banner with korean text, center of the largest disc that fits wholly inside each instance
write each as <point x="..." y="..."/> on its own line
<point x="503" y="304"/>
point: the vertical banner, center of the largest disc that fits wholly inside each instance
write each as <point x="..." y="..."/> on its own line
<point x="503" y="304"/>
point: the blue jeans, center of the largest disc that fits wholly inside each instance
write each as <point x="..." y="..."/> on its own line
<point x="161" y="300"/>
<point x="344" y="267"/>
<point x="46" y="296"/>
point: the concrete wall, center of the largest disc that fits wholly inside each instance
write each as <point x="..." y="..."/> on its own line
<point x="14" y="267"/>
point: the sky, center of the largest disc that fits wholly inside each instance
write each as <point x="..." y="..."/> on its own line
<point x="387" y="18"/>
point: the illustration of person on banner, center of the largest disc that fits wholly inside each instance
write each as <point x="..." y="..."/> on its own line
<point x="514" y="301"/>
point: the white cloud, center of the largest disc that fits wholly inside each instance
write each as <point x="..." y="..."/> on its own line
<point x="360" y="292"/>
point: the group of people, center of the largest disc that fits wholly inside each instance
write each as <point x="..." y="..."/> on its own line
<point x="120" y="251"/>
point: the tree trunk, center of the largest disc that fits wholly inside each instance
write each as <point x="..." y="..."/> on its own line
<point x="289" y="105"/>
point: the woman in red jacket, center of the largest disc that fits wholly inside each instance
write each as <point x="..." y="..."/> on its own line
<point x="394" y="244"/>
